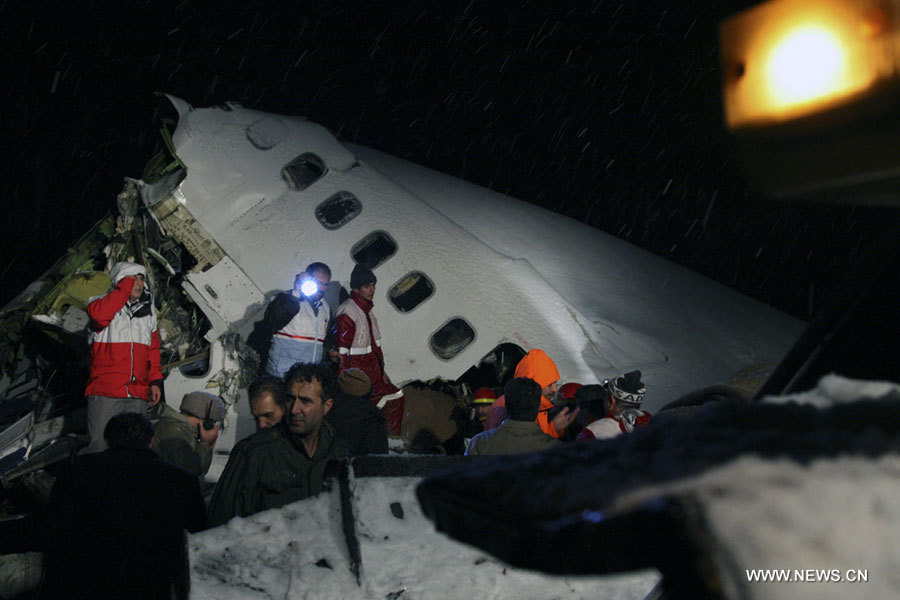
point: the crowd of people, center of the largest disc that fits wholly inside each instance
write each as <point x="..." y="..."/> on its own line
<point x="323" y="394"/>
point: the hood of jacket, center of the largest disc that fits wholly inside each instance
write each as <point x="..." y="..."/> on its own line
<point x="121" y="270"/>
<point x="538" y="366"/>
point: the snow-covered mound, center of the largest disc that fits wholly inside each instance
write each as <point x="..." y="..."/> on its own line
<point x="838" y="518"/>
<point x="834" y="389"/>
<point x="711" y="497"/>
<point x="300" y="552"/>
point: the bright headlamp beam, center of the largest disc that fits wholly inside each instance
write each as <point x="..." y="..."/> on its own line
<point x="309" y="287"/>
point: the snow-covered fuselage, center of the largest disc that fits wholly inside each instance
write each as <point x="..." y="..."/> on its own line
<point x="499" y="270"/>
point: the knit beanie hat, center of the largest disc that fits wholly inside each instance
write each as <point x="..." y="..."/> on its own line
<point x="361" y="276"/>
<point x="203" y="405"/>
<point x="354" y="382"/>
<point x="627" y="388"/>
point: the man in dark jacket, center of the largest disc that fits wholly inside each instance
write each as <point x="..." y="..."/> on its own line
<point x="519" y="433"/>
<point x="117" y="519"/>
<point x="284" y="463"/>
<point x="356" y="419"/>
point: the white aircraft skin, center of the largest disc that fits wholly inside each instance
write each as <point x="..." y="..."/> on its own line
<point x="515" y="272"/>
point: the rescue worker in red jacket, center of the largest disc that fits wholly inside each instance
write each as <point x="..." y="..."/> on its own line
<point x="125" y="374"/>
<point x="538" y="366"/>
<point x="359" y="343"/>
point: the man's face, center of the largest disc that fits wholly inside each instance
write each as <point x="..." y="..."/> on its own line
<point x="483" y="411"/>
<point x="307" y="408"/>
<point x="549" y="392"/>
<point x="265" y="411"/>
<point x="138" y="288"/>
<point x="367" y="291"/>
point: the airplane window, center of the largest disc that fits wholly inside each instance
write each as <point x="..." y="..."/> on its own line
<point x="410" y="291"/>
<point x="338" y="210"/>
<point x="452" y="338"/>
<point x="301" y="172"/>
<point x="374" y="249"/>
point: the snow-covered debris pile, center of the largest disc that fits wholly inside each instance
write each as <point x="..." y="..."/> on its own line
<point x="834" y="389"/>
<point x="571" y="497"/>
<point x="829" y="529"/>
<point x="300" y="552"/>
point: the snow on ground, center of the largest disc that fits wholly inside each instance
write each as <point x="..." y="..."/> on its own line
<point x="839" y="513"/>
<point x="834" y="389"/>
<point x="299" y="552"/>
<point x="835" y="514"/>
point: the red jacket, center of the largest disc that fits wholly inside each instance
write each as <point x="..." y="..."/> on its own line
<point x="359" y="343"/>
<point x="124" y="343"/>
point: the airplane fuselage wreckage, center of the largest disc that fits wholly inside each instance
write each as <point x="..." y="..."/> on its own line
<point x="468" y="279"/>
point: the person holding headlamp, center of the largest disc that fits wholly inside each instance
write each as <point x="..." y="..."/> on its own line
<point x="299" y="319"/>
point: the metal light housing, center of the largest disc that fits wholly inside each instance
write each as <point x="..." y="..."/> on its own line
<point x="811" y="89"/>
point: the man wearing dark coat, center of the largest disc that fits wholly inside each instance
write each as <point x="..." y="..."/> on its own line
<point x="519" y="433"/>
<point x="284" y="463"/>
<point x="117" y="519"/>
<point x="356" y="419"/>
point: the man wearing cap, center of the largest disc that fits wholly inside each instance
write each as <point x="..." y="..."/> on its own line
<point x="298" y="321"/>
<point x="187" y="438"/>
<point x="519" y="433"/>
<point x="622" y="398"/>
<point x="125" y="373"/>
<point x="356" y="419"/>
<point x="285" y="463"/>
<point x="536" y="365"/>
<point x="482" y="400"/>
<point x="359" y="343"/>
<point x="470" y="421"/>
<point x="267" y="396"/>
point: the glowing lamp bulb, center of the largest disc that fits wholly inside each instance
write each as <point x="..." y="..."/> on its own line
<point x="806" y="65"/>
<point x="309" y="287"/>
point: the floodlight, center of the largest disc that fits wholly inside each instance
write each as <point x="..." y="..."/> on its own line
<point x="811" y="89"/>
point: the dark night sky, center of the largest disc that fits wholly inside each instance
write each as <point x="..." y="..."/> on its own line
<point x="605" y="111"/>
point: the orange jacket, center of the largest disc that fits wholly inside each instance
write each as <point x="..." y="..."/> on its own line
<point x="538" y="366"/>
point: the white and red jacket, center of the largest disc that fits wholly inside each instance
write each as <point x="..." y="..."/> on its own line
<point x="125" y="341"/>
<point x="299" y="327"/>
<point x="609" y="427"/>
<point x="359" y="343"/>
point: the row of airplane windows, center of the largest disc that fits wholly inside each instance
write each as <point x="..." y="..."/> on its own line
<point x="373" y="250"/>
